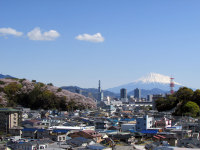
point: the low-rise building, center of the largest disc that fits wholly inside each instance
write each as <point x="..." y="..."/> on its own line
<point x="143" y="123"/>
<point x="9" y="118"/>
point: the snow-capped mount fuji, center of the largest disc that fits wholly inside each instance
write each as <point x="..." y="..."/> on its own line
<point x="148" y="82"/>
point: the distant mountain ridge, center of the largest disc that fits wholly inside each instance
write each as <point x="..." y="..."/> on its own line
<point x="89" y="92"/>
<point x="93" y="93"/>
<point x="148" y="82"/>
<point x="5" y="76"/>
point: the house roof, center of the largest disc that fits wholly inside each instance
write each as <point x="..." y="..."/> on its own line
<point x="78" y="141"/>
<point x="149" y="131"/>
<point x="29" y="129"/>
<point x="88" y="131"/>
<point x="96" y="146"/>
<point x="92" y="133"/>
<point x="8" y="110"/>
<point x="60" y="130"/>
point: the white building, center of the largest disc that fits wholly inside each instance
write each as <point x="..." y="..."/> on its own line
<point x="144" y="123"/>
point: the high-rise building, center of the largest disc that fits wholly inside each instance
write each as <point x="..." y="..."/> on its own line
<point x="149" y="98"/>
<point x="100" y="93"/>
<point x="123" y="93"/>
<point x="137" y="94"/>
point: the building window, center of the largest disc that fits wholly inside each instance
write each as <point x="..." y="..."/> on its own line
<point x="41" y="147"/>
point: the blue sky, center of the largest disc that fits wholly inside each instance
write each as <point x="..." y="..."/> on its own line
<point x="78" y="42"/>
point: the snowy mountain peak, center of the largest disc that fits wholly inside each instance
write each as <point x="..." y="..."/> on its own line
<point x="148" y="82"/>
<point x="155" y="78"/>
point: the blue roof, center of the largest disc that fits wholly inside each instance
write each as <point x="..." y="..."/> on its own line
<point x="81" y="139"/>
<point x="41" y="130"/>
<point x="60" y="131"/>
<point x="127" y="119"/>
<point x="149" y="131"/>
<point x="108" y="131"/>
<point x="132" y="130"/>
<point x="86" y="120"/>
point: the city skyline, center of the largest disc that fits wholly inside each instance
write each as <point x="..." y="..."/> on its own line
<point x="81" y="42"/>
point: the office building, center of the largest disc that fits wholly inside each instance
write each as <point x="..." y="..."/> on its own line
<point x="137" y="94"/>
<point x="123" y="95"/>
<point x="150" y="98"/>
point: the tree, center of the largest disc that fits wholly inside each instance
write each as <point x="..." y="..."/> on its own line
<point x="59" y="90"/>
<point x="2" y="82"/>
<point x="50" y="84"/>
<point x="184" y="94"/>
<point x="12" y="88"/>
<point x="196" y="97"/>
<point x="165" y="104"/>
<point x="11" y="91"/>
<point x="191" y="109"/>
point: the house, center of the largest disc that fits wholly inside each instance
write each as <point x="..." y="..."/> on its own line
<point x="120" y="136"/>
<point x="24" y="116"/>
<point x="166" y="136"/>
<point x="32" y="122"/>
<point x="102" y="124"/>
<point x="29" y="133"/>
<point x="15" y="131"/>
<point x="59" y="135"/>
<point x="42" y="133"/>
<point x="180" y="134"/>
<point x="163" y="123"/>
<point x="97" y="146"/>
<point x="189" y="142"/>
<point x="116" y="128"/>
<point x="89" y="134"/>
<point x="30" y="145"/>
<point x="127" y="127"/>
<point x="34" y="114"/>
<point x="79" y="141"/>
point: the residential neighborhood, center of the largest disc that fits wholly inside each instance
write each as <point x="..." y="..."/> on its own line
<point x="104" y="128"/>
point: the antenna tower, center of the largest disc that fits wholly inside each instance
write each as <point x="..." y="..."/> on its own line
<point x="171" y="85"/>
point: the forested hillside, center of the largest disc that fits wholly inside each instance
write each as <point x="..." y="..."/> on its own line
<point x="39" y="95"/>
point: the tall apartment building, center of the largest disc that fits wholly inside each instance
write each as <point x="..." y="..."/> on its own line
<point x="9" y="118"/>
<point x="123" y="95"/>
<point x="137" y="94"/>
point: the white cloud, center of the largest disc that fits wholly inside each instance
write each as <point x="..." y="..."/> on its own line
<point x="9" y="31"/>
<point x="36" y="34"/>
<point x="91" y="38"/>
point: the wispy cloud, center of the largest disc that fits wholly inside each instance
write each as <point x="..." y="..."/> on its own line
<point x="36" y="34"/>
<point x="9" y="31"/>
<point x="91" y="38"/>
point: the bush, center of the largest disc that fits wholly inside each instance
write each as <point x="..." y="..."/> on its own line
<point x="2" y="83"/>
<point x="59" y="90"/>
<point x="50" y="84"/>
